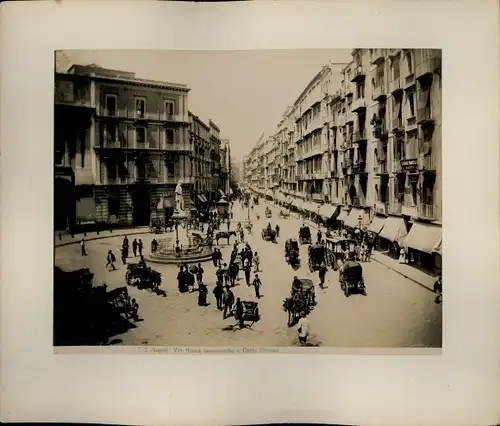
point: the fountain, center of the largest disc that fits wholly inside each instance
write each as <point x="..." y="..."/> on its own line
<point x="185" y="251"/>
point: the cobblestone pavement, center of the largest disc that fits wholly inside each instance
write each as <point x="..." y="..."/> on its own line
<point x="395" y="313"/>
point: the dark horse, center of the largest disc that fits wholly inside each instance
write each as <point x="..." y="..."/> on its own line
<point x="293" y="306"/>
<point x="224" y="235"/>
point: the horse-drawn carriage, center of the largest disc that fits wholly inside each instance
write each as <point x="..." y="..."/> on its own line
<point x="143" y="277"/>
<point x="269" y="234"/>
<point x="317" y="257"/>
<point x="292" y="252"/>
<point x="351" y="278"/>
<point x="305" y="235"/>
<point x="302" y="299"/>
<point x="268" y="213"/>
<point x="283" y="214"/>
<point x="340" y="250"/>
<point x="120" y="300"/>
<point x="250" y="311"/>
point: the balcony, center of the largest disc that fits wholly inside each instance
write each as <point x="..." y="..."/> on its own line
<point x="397" y="165"/>
<point x="381" y="168"/>
<point x="378" y="56"/>
<point x="128" y="180"/>
<point x="410" y="164"/>
<point x="424" y="116"/>
<point x="174" y="118"/>
<point x="357" y="74"/>
<point x="397" y="125"/>
<point x="318" y="197"/>
<point x="359" y="166"/>
<point x="359" y="136"/>
<point x="298" y="176"/>
<point x="409" y="211"/>
<point x="411" y="123"/>
<point x="382" y="207"/>
<point x="427" y="211"/>
<point x="316" y="150"/>
<point x="427" y="67"/>
<point x="380" y="130"/>
<point x="346" y="163"/>
<point x="395" y="85"/>
<point x="179" y="147"/>
<point x="426" y="163"/>
<point x="394" y="208"/>
<point x="358" y="105"/>
<point x="378" y="90"/>
<point x="140" y="117"/>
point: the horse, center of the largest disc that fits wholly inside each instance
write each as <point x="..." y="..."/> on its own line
<point x="293" y="306"/>
<point x="224" y="235"/>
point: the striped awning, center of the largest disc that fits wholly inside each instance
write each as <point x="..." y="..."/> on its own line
<point x="344" y="214"/>
<point x="327" y="211"/>
<point x="377" y="224"/>
<point x="423" y="237"/>
<point x="297" y="203"/>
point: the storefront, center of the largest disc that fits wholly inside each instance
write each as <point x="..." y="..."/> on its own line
<point x="423" y="240"/>
<point x="392" y="235"/>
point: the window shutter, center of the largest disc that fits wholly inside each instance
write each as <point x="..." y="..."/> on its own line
<point x="177" y="101"/>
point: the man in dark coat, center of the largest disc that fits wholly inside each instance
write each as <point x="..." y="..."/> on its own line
<point x="218" y="291"/>
<point x="228" y="300"/>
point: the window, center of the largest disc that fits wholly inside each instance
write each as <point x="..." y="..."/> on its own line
<point x="140" y="108"/>
<point x="395" y="69"/>
<point x="411" y="103"/>
<point x="409" y="63"/>
<point x="83" y="142"/>
<point x="169" y="108"/>
<point x="140" y="135"/>
<point x="170" y="169"/>
<point x="110" y="105"/>
<point x="111" y="170"/>
<point x="169" y="136"/>
<point x="360" y="90"/>
<point x="110" y="133"/>
<point x="113" y="206"/>
<point x="413" y="193"/>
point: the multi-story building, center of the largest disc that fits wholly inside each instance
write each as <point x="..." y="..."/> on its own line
<point x="122" y="144"/>
<point x="371" y="144"/>
<point x="209" y="160"/>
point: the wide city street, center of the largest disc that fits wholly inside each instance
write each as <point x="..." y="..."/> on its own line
<point x="395" y="313"/>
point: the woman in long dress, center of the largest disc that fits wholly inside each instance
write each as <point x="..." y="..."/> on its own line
<point x="402" y="255"/>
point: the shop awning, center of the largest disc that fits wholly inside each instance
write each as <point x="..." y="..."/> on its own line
<point x="394" y="229"/>
<point x="327" y="211"/>
<point x="201" y="198"/>
<point x="221" y="193"/>
<point x="353" y="219"/>
<point x="377" y="224"/>
<point x="423" y="237"/>
<point x="297" y="203"/>
<point x="230" y="191"/>
<point x="342" y="217"/>
<point x="288" y="200"/>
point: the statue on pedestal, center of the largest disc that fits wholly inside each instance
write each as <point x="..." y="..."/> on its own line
<point x="179" y="199"/>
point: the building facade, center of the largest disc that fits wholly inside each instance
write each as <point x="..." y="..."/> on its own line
<point x="367" y="140"/>
<point x="121" y="146"/>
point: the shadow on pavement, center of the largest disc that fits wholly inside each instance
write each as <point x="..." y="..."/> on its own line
<point x="85" y="315"/>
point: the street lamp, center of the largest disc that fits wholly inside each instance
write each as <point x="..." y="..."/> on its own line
<point x="177" y="217"/>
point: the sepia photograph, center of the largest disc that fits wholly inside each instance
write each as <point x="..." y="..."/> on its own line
<point x="248" y="199"/>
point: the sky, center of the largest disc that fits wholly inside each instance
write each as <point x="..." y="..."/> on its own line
<point x="244" y="92"/>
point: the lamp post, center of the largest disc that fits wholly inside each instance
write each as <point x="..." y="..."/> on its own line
<point x="177" y="217"/>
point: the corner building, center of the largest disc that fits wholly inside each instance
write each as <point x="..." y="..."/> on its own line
<point x="127" y="153"/>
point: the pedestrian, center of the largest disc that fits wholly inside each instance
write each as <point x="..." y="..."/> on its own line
<point x="322" y="274"/>
<point x="134" y="247"/>
<point x="189" y="279"/>
<point x="303" y="328"/>
<point x="257" y="283"/>
<point x="202" y="294"/>
<point x="249" y="255"/>
<point x="111" y="260"/>
<point x="247" y="268"/>
<point x="242" y="235"/>
<point x="124" y="255"/>
<point x="125" y="242"/>
<point x="82" y="245"/>
<point x="181" y="280"/>
<point x="215" y="257"/>
<point x="199" y="273"/>
<point x="277" y="231"/>
<point x="233" y="272"/>
<point x="219" y="273"/>
<point x="228" y="300"/>
<point x="219" y="257"/>
<point x="256" y="261"/>
<point x="402" y="255"/>
<point x="438" y="289"/>
<point x="319" y="236"/>
<point x="226" y="274"/>
<point x="238" y="312"/>
<point x="218" y="292"/>
<point x="140" y="246"/>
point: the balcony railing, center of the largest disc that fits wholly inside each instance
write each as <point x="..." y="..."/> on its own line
<point x="395" y="85"/>
<point x="179" y="147"/>
<point x="380" y="168"/>
<point x="424" y="115"/>
<point x="378" y="91"/>
<point x="395" y="208"/>
<point x="359" y="166"/>
<point x="119" y="180"/>
<point x="411" y="121"/>
<point x="347" y="162"/>
<point x="397" y="165"/>
<point x="357" y="74"/>
<point x="427" y="211"/>
<point x="426" y="163"/>
<point x="382" y="207"/>
<point x="380" y="130"/>
<point x="317" y="197"/>
<point x="358" y="105"/>
<point x="378" y="55"/>
<point x="427" y="67"/>
<point x="359" y="136"/>
<point x="397" y="125"/>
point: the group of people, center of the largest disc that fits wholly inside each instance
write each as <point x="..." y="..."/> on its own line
<point x="188" y="276"/>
